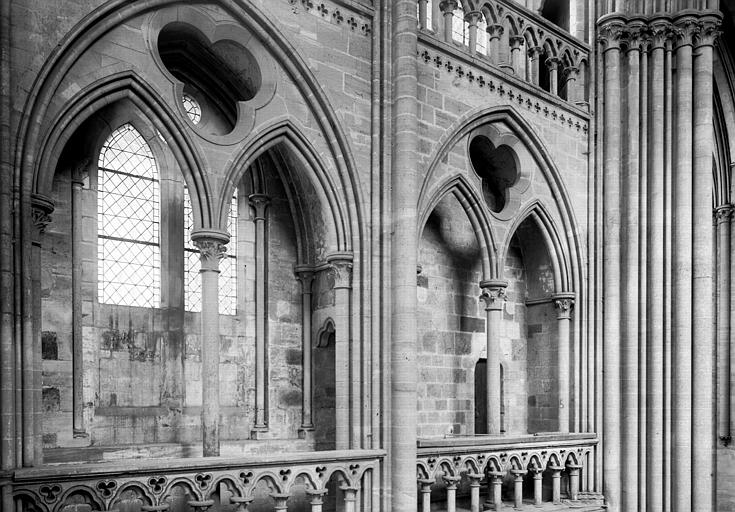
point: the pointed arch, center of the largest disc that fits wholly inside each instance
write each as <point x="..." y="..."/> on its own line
<point x="105" y="91"/>
<point x="538" y="214"/>
<point x="470" y="201"/>
<point x="32" y="129"/>
<point x="283" y="131"/>
<point x="528" y="136"/>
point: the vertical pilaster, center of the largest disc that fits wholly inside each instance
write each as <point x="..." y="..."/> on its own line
<point x="346" y="403"/>
<point x="564" y="303"/>
<point x="403" y="255"/>
<point x="211" y="245"/>
<point x="306" y="278"/>
<point x="493" y="295"/>
<point x="704" y="370"/>
<point x="610" y="32"/>
<point x="723" y="216"/>
<point x="259" y="204"/>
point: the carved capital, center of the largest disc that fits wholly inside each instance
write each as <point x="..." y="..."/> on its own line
<point x="448" y="6"/>
<point x="564" y="303"/>
<point x="80" y="171"/>
<point x="686" y="28"/>
<point x="305" y="276"/>
<point x="259" y="203"/>
<point x="473" y="17"/>
<point x="493" y="294"/>
<point x="722" y="214"/>
<point x="636" y="36"/>
<point x="494" y="31"/>
<point x="553" y="63"/>
<point x="610" y="34"/>
<point x="571" y="73"/>
<point x="516" y="42"/>
<point x="535" y="52"/>
<point x="210" y="251"/>
<point x="709" y="30"/>
<point x="41" y="209"/>
<point x="340" y="269"/>
<point x="660" y="31"/>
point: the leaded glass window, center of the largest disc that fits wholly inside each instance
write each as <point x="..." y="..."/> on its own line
<point x="227" y="267"/>
<point x="460" y="28"/>
<point x="482" y="37"/>
<point x="129" y="254"/>
<point x="192" y="108"/>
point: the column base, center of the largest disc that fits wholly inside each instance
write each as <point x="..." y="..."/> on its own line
<point x="306" y="432"/>
<point x="260" y="433"/>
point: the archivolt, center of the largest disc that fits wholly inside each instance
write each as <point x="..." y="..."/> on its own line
<point x="105" y="91"/>
<point x="31" y="133"/>
<point x="465" y="194"/>
<point x="526" y="134"/>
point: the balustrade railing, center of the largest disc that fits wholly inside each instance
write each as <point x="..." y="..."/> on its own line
<point x="542" y="468"/>
<point x="203" y="484"/>
<point x="516" y="40"/>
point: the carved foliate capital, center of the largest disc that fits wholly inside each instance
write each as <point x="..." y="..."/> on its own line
<point x="448" y="6"/>
<point x="553" y="63"/>
<point x="41" y="209"/>
<point x="80" y="171"/>
<point x="210" y="251"/>
<point x="610" y="34"/>
<point x="493" y="294"/>
<point x="636" y="37"/>
<point x="473" y="17"/>
<point x="494" y="31"/>
<point x="259" y="203"/>
<point x="660" y="31"/>
<point x="686" y="28"/>
<point x="305" y="275"/>
<point x="340" y="269"/>
<point x="516" y="42"/>
<point x="564" y="303"/>
<point x="709" y="30"/>
<point x="535" y="52"/>
<point x="722" y="214"/>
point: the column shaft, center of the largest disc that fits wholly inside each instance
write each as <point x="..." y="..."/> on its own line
<point x="723" y="215"/>
<point x="564" y="303"/>
<point x="403" y="256"/>
<point x="612" y="142"/>
<point x="259" y="204"/>
<point x="681" y="350"/>
<point x="211" y="251"/>
<point x="344" y="388"/>
<point x="77" y="341"/>
<point x="655" y="273"/>
<point x="630" y="284"/>
<point x="493" y="295"/>
<point x="306" y="277"/>
<point x="703" y="368"/>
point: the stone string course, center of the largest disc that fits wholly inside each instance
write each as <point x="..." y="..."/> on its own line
<point x="333" y="14"/>
<point x="501" y="89"/>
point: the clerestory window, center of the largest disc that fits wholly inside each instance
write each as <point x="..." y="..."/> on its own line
<point x="129" y="269"/>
